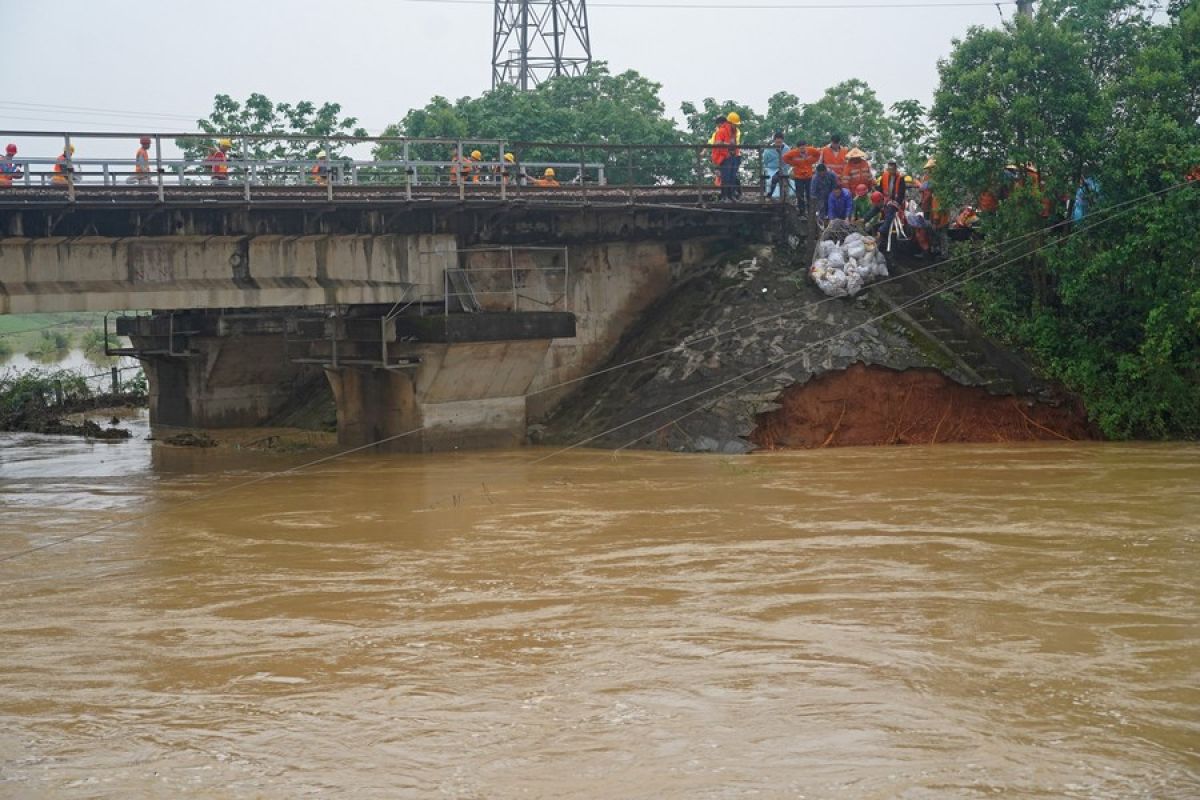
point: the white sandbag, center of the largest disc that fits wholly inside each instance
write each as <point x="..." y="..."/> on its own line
<point x="854" y="284"/>
<point x="837" y="259"/>
<point x="825" y="248"/>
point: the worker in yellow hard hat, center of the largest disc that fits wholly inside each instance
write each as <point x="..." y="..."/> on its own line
<point x="504" y="170"/>
<point x="547" y="180"/>
<point x="218" y="160"/>
<point x="320" y="170"/>
<point x="464" y="166"/>
<point x="727" y="155"/>
<point x="64" y="170"/>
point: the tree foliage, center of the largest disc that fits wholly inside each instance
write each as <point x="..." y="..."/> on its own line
<point x="259" y="115"/>
<point x="597" y="107"/>
<point x="1095" y="89"/>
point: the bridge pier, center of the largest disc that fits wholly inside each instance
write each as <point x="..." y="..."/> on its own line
<point x="218" y="382"/>
<point x="376" y="405"/>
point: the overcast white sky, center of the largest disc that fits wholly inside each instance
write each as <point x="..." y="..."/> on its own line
<point x="107" y="65"/>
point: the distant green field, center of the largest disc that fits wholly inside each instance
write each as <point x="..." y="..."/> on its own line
<point x="22" y="331"/>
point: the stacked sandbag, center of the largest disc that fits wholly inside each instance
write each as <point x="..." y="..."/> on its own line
<point x="842" y="269"/>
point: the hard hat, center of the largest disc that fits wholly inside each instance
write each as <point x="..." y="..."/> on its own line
<point x="322" y="154"/>
<point x="11" y="149"/>
<point x="224" y="143"/>
<point x="72" y="149"/>
<point x="856" y="153"/>
<point x="734" y="118"/>
<point x="145" y="140"/>
<point x="931" y="163"/>
<point x="549" y="173"/>
<point x="475" y="154"/>
<point x="860" y="190"/>
<point x="908" y="180"/>
<point x="876" y="197"/>
<point x="509" y="157"/>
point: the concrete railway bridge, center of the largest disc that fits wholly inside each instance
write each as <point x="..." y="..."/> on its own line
<point x="444" y="307"/>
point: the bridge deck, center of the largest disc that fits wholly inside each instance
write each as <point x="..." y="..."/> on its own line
<point x="427" y="196"/>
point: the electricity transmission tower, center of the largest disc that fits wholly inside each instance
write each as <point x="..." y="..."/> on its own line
<point x="534" y="40"/>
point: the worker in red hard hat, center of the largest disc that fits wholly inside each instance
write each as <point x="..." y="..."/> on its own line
<point x="862" y="203"/>
<point x="141" y="162"/>
<point x="9" y="171"/>
<point x="872" y="218"/>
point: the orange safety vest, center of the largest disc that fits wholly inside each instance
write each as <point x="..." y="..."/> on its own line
<point x="319" y="172"/>
<point x="834" y="162"/>
<point x="802" y="160"/>
<point x="887" y="181"/>
<point x="546" y="182"/>
<point x="858" y="171"/>
<point x="62" y="169"/>
<point x="218" y="158"/>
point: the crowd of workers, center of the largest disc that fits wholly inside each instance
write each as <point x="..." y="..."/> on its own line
<point x="837" y="182"/>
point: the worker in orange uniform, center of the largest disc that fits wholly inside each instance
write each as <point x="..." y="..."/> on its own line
<point x="320" y="170"/>
<point x="727" y="155"/>
<point x="218" y="161"/>
<point x="857" y="170"/>
<point x="9" y="171"/>
<point x="465" y="167"/>
<point x="64" y="170"/>
<point x="141" y="162"/>
<point x="547" y="180"/>
<point x="833" y="156"/>
<point x="802" y="159"/>
<point x="504" y="171"/>
<point x="894" y="187"/>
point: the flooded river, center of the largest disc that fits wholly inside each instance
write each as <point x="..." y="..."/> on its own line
<point x="958" y="621"/>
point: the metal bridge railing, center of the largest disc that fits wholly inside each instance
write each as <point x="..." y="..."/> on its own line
<point x="408" y="168"/>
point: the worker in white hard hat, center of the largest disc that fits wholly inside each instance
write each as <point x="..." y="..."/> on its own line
<point x="320" y="170"/>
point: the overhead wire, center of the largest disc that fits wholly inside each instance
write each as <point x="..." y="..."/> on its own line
<point x="1106" y="214"/>
<point x="693" y="6"/>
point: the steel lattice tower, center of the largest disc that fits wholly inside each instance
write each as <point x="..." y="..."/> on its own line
<point x="534" y="40"/>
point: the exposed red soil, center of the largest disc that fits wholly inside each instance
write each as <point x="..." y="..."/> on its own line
<point x="877" y="406"/>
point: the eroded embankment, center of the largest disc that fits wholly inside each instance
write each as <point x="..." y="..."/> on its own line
<point x="873" y="405"/>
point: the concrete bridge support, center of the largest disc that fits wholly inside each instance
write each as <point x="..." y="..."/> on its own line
<point x="221" y="382"/>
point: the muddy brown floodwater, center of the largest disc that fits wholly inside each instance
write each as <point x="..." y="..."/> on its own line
<point x="908" y="622"/>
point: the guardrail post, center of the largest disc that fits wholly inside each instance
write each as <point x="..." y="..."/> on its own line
<point x="407" y="174"/>
<point x="245" y="170"/>
<point x="629" y="168"/>
<point x="69" y="167"/>
<point x="116" y="381"/>
<point x="582" y="189"/>
<point x="503" y="175"/>
<point x="328" y="177"/>
<point x="159" y="166"/>
<point x="104" y="173"/>
<point x="462" y="178"/>
<point x="700" y="176"/>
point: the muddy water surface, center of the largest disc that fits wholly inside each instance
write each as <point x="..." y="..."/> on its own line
<point x="958" y="621"/>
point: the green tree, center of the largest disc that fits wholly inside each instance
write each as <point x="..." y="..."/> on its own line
<point x="597" y="107"/>
<point x="851" y="109"/>
<point x="1114" y="308"/>
<point x="914" y="135"/>
<point x="259" y="115"/>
